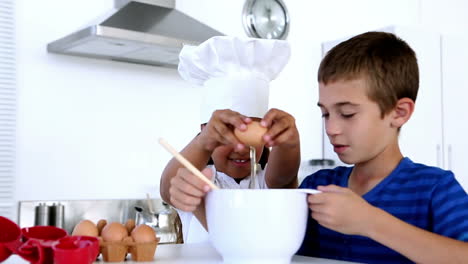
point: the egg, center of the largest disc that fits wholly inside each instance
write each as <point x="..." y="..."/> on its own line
<point x="143" y="234"/>
<point x="114" y="232"/>
<point x="85" y="228"/>
<point x="128" y="240"/>
<point x="253" y="135"/>
<point x="100" y="225"/>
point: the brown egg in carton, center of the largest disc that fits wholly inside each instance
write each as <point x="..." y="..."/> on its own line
<point x="117" y="240"/>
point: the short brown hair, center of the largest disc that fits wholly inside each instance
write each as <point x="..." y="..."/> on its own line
<point x="386" y="61"/>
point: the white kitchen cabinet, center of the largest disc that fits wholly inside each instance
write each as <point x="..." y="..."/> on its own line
<point x="421" y="137"/>
<point x="454" y="101"/>
<point x="434" y="134"/>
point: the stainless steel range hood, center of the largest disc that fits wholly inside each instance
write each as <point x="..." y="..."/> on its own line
<point x="138" y="31"/>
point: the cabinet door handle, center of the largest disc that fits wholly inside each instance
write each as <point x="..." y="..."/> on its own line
<point x="449" y="156"/>
<point x="438" y="155"/>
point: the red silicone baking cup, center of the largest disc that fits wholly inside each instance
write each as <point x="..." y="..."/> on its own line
<point x="39" y="241"/>
<point x="10" y="238"/>
<point x="76" y="250"/>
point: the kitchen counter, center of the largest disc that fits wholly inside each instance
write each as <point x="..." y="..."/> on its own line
<point x="187" y="254"/>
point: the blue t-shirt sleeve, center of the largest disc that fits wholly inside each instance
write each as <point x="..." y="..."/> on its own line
<point x="450" y="208"/>
<point x="337" y="176"/>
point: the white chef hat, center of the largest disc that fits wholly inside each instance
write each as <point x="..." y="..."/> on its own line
<point x="235" y="72"/>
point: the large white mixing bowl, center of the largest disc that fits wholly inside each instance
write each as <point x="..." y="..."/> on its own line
<point x="256" y="226"/>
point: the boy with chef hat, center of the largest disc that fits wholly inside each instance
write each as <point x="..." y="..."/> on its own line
<point x="233" y="75"/>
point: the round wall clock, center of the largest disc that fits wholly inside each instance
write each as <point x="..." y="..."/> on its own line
<point x="268" y="19"/>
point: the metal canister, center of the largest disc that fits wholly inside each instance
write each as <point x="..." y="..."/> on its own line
<point x="41" y="215"/>
<point x="57" y="215"/>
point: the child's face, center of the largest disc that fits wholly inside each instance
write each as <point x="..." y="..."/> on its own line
<point x="234" y="163"/>
<point x="353" y="122"/>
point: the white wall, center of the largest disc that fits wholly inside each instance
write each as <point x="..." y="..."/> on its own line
<point x="87" y="129"/>
<point x="448" y="17"/>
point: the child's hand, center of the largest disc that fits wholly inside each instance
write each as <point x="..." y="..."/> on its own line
<point x="282" y="129"/>
<point x="341" y="209"/>
<point x="220" y="130"/>
<point x="187" y="190"/>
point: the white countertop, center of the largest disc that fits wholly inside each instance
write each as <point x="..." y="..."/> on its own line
<point x="187" y="254"/>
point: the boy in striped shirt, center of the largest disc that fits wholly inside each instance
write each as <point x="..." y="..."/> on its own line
<point x="386" y="208"/>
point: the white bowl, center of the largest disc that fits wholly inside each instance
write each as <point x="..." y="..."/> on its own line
<point x="256" y="226"/>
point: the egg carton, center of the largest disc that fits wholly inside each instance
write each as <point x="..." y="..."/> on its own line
<point x="117" y="251"/>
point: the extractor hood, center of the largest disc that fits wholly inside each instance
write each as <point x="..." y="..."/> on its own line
<point x="138" y="31"/>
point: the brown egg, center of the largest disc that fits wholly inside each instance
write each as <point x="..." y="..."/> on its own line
<point x="143" y="234"/>
<point x="114" y="232"/>
<point x="100" y="225"/>
<point x="128" y="240"/>
<point x="253" y="135"/>
<point x="85" y="228"/>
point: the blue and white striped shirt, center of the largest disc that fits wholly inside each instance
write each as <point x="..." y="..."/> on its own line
<point x="427" y="197"/>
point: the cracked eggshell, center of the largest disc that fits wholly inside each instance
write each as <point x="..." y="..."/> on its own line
<point x="253" y="135"/>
